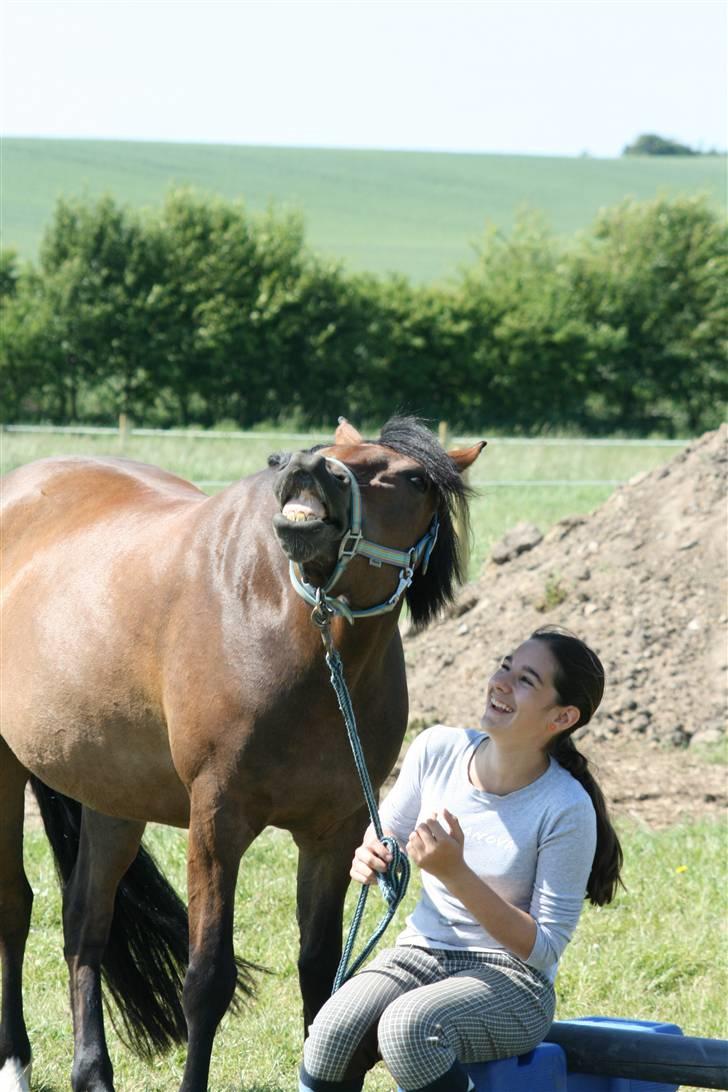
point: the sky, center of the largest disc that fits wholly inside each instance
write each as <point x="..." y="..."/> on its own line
<point x="544" y="77"/>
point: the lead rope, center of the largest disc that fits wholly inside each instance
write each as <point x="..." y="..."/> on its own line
<point x="393" y="883"/>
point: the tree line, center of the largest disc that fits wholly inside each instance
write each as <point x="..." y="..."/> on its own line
<point x="202" y="313"/>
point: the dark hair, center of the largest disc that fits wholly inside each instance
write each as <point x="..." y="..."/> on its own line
<point x="431" y="591"/>
<point x="579" y="681"/>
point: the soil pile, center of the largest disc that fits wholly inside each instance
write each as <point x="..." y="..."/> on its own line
<point x="643" y="580"/>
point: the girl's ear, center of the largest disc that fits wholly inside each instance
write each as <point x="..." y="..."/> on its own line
<point x="465" y="457"/>
<point x="566" y="719"/>
<point x="346" y="434"/>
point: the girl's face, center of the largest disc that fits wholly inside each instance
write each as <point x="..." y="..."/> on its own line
<point x="521" y="704"/>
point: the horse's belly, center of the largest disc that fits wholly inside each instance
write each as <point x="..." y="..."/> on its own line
<point x="123" y="781"/>
<point x="78" y="703"/>
<point x="124" y="773"/>
<point x="89" y="736"/>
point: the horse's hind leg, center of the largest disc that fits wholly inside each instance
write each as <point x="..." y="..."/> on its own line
<point x="16" y="901"/>
<point x="106" y="850"/>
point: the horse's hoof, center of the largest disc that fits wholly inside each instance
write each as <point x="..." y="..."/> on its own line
<point x="14" y="1076"/>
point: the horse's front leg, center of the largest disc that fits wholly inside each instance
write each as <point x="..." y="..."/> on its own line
<point x="323" y="878"/>
<point x="219" y="835"/>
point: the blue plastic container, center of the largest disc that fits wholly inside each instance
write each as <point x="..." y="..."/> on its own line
<point x="541" y="1070"/>
<point x="544" y="1069"/>
<point x="581" y="1082"/>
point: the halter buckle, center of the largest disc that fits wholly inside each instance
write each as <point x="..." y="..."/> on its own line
<point x="349" y="544"/>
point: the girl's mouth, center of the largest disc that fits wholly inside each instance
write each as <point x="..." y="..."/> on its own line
<point x="499" y="706"/>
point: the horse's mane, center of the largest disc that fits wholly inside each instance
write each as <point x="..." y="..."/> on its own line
<point x="409" y="436"/>
<point x="431" y="591"/>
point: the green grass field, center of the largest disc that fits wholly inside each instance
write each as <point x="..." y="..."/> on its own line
<point x="507" y="477"/>
<point x="416" y="213"/>
<point x="657" y="953"/>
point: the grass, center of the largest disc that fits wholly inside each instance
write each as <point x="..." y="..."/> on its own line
<point x="497" y="507"/>
<point x="657" y="953"/>
<point x="417" y="213"/>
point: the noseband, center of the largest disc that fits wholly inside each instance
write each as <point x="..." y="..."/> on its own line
<point x="354" y="543"/>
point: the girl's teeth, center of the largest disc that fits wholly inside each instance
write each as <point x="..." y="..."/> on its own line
<point x="499" y="707"/>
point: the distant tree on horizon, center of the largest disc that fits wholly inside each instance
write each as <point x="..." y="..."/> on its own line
<point x="652" y="144"/>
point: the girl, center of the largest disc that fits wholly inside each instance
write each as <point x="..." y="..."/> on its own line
<point x="510" y="830"/>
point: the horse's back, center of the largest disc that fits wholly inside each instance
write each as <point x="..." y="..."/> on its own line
<point x="57" y="497"/>
<point x="91" y="484"/>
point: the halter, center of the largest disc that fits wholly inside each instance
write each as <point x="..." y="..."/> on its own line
<point x="354" y="543"/>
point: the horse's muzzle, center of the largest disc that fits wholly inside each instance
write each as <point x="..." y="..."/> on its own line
<point x="314" y="508"/>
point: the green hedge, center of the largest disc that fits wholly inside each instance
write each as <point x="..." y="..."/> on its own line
<point x="201" y="312"/>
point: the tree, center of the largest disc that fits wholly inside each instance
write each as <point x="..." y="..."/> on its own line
<point x="525" y="337"/>
<point x="652" y="144"/>
<point x="652" y="284"/>
<point x="100" y="271"/>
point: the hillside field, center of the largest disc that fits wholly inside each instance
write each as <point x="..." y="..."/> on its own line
<point x="417" y="213"/>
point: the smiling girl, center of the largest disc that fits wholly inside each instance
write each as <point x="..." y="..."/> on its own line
<point x="510" y="831"/>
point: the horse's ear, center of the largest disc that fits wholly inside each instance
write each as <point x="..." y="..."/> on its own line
<point x="347" y="434"/>
<point x="466" y="456"/>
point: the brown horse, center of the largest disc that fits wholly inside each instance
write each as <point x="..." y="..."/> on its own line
<point x="159" y="665"/>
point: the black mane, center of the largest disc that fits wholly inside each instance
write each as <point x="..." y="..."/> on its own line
<point x="431" y="591"/>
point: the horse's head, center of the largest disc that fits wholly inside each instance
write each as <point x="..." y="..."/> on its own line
<point x="408" y="489"/>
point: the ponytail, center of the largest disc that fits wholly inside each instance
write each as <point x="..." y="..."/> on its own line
<point x="604" y="877"/>
<point x="579" y="681"/>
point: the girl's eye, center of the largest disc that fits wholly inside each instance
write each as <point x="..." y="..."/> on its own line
<point x="525" y="678"/>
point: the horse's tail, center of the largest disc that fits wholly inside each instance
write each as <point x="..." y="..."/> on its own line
<point x="147" y="953"/>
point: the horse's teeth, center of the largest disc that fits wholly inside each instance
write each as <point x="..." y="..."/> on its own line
<point x="304" y="507"/>
<point x="299" y="516"/>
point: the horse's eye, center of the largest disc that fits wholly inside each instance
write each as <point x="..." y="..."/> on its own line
<point x="419" y="481"/>
<point x="341" y="476"/>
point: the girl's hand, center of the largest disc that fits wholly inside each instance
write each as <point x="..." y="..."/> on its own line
<point x="437" y="850"/>
<point x="370" y="859"/>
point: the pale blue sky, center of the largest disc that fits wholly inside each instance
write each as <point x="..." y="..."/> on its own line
<point x="552" y="77"/>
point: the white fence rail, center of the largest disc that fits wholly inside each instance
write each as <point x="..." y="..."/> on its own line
<point x="200" y="434"/>
<point x="124" y="432"/>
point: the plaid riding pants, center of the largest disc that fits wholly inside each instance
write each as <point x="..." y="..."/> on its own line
<point x="422" y="1010"/>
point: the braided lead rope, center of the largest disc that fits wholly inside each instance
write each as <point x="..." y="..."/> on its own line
<point x="393" y="883"/>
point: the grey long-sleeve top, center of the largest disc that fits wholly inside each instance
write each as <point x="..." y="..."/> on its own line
<point x="534" y="846"/>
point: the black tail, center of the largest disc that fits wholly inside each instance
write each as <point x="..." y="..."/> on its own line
<point x="148" y="948"/>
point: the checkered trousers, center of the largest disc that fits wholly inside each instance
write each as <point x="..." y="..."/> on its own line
<point x="422" y="1009"/>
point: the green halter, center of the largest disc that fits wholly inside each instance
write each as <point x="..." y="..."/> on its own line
<point x="354" y="543"/>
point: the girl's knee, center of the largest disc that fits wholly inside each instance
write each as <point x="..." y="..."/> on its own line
<point x="409" y="1029"/>
<point x="332" y="1041"/>
<point x="407" y="1017"/>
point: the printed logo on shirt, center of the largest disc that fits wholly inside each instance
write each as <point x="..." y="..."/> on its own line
<point x="503" y="841"/>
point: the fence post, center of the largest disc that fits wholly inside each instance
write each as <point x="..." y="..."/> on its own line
<point x="124" y="429"/>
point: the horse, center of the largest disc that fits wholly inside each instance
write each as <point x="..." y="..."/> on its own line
<point x="158" y="664"/>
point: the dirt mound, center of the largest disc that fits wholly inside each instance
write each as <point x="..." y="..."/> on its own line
<point x="642" y="579"/>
